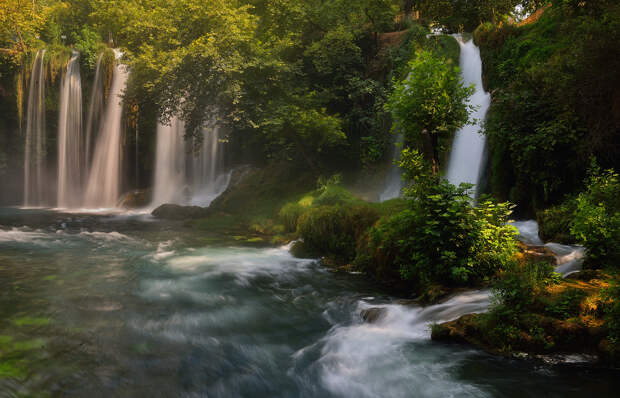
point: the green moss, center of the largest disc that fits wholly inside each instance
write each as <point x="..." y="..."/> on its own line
<point x="30" y="321"/>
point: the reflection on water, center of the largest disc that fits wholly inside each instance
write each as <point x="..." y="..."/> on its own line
<point x="116" y="306"/>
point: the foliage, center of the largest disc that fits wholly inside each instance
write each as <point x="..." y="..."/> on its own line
<point x="518" y="285"/>
<point x="612" y="313"/>
<point x="596" y="223"/>
<point x="553" y="93"/>
<point x="334" y="230"/>
<point x="441" y="237"/>
<point x="430" y="103"/>
<point x="554" y="223"/>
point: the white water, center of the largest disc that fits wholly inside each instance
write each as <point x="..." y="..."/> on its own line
<point x="70" y="142"/>
<point x="394" y="182"/>
<point x="181" y="180"/>
<point x="103" y="189"/>
<point x="465" y="164"/>
<point x="93" y="118"/>
<point x="35" y="155"/>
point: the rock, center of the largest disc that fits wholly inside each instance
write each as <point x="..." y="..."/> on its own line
<point x="372" y="315"/>
<point x="535" y="254"/>
<point x="136" y="199"/>
<point x="176" y="212"/>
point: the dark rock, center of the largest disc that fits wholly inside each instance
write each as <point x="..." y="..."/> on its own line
<point x="372" y="315"/>
<point x="176" y="212"/>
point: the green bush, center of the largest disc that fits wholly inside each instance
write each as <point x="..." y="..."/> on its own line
<point x="596" y="224"/>
<point x="441" y="237"/>
<point x="335" y="230"/>
<point x="554" y="223"/>
<point x="289" y="215"/>
<point x="518" y="285"/>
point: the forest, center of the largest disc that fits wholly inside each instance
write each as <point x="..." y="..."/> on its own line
<point x="364" y="198"/>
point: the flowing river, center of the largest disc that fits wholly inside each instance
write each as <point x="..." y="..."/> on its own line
<point x="127" y="306"/>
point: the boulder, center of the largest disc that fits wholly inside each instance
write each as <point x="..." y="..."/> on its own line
<point x="372" y="315"/>
<point x="177" y="212"/>
<point x="135" y="199"/>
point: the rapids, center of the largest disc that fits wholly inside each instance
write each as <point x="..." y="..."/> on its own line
<point x="125" y="306"/>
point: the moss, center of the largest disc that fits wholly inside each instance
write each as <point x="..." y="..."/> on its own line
<point x="31" y="321"/>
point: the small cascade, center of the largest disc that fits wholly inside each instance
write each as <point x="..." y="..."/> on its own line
<point x="170" y="175"/>
<point x="183" y="180"/>
<point x="35" y="147"/>
<point x="103" y="187"/>
<point x="394" y="181"/>
<point x="465" y="164"/>
<point x="93" y="117"/>
<point x="70" y="143"/>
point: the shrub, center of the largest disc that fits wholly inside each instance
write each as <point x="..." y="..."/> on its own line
<point x="335" y="230"/>
<point x="441" y="237"/>
<point x="554" y="223"/>
<point x="597" y="219"/>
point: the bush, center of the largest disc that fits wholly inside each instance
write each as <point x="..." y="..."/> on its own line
<point x="554" y="223"/>
<point x="596" y="224"/>
<point x="335" y="230"/>
<point x="441" y="237"/>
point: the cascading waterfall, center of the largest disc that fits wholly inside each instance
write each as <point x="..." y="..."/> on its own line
<point x="181" y="180"/>
<point x="170" y="166"/>
<point x="93" y="118"/>
<point x="394" y="182"/>
<point x="70" y="143"/>
<point x="35" y="147"/>
<point x="103" y="187"/>
<point x="466" y="157"/>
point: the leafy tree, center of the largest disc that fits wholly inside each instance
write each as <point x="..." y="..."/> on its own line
<point x="430" y="103"/>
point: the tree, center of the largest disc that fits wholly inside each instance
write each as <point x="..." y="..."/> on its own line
<point x="430" y="103"/>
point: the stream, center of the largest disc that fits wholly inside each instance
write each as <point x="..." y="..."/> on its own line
<point x="127" y="306"/>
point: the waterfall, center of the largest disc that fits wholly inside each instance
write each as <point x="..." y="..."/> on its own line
<point x="208" y="178"/>
<point x="468" y="147"/>
<point x="170" y="164"/>
<point x="70" y="144"/>
<point x="394" y="181"/>
<point x="103" y="188"/>
<point x="35" y="149"/>
<point x="93" y="118"/>
<point x="178" y="179"/>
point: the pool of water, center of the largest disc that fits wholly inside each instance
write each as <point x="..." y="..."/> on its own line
<point x="127" y="306"/>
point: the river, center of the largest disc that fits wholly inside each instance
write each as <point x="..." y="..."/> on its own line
<point x="128" y="306"/>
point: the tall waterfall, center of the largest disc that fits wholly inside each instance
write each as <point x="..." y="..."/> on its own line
<point x="170" y="163"/>
<point x="70" y="143"/>
<point x="104" y="180"/>
<point x="394" y="181"/>
<point x="93" y="117"/>
<point x="35" y="150"/>
<point x="466" y="157"/>
<point x="181" y="180"/>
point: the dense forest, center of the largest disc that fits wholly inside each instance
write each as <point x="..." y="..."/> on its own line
<point x="394" y="139"/>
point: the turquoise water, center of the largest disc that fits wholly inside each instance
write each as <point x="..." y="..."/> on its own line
<point x="126" y="306"/>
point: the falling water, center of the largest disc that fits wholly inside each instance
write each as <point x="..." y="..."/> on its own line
<point x="394" y="182"/>
<point x="35" y="151"/>
<point x="170" y="181"/>
<point x="70" y="149"/>
<point x="95" y="110"/>
<point x="197" y="181"/>
<point x="105" y="175"/>
<point x="468" y="148"/>
<point x="208" y="178"/>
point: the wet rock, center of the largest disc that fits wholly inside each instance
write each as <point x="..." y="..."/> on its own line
<point x="372" y="315"/>
<point x="176" y="212"/>
<point x="136" y="199"/>
<point x="535" y="254"/>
